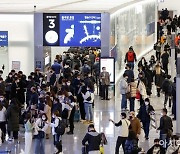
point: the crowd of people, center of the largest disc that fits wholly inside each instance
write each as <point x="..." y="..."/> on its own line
<point x="47" y="103"/>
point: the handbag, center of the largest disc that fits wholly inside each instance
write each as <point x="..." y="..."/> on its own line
<point x="128" y="95"/>
<point x="85" y="149"/>
<point x="138" y="95"/>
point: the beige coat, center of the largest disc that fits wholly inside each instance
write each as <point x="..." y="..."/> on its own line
<point x="133" y="89"/>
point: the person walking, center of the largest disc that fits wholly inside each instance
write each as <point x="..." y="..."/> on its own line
<point x="105" y="81"/>
<point x="130" y="57"/>
<point x="165" y="60"/>
<point x="144" y="115"/>
<point x="123" y="91"/>
<point x="2" y="122"/>
<point x="29" y="126"/>
<point x="133" y="89"/>
<point x="166" y="127"/>
<point x="135" y="125"/>
<point x="57" y="68"/>
<point x="94" y="140"/>
<point x="123" y="125"/>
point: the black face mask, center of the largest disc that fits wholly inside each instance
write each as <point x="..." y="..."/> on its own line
<point x="130" y="117"/>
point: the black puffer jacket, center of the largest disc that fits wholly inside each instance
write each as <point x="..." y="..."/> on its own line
<point x="13" y="117"/>
<point x="94" y="140"/>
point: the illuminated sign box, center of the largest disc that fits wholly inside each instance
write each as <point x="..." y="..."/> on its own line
<point x="3" y="38"/>
<point x="78" y="29"/>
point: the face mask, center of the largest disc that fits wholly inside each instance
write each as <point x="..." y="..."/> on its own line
<point x="68" y="84"/>
<point x="89" y="75"/>
<point x="1" y="99"/>
<point x="10" y="76"/>
<point x="43" y="119"/>
<point x="104" y="70"/>
<point x="53" y="116"/>
<point x="39" y="90"/>
<point x="78" y="78"/>
<point x="146" y="103"/>
<point x="130" y="117"/>
<point x="161" y="114"/>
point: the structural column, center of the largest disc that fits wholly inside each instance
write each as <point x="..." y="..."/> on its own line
<point x="105" y="35"/>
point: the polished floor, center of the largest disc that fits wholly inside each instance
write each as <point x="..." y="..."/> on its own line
<point x="103" y="111"/>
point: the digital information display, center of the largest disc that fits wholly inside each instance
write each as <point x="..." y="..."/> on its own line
<point x="3" y="38"/>
<point x="109" y="63"/>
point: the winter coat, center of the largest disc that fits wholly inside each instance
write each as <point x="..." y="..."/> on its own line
<point x="13" y="117"/>
<point x="144" y="115"/>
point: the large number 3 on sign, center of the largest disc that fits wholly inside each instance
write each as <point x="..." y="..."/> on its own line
<point x="51" y="24"/>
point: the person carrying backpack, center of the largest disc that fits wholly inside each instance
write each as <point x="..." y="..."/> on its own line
<point x="94" y="140"/>
<point x="58" y="128"/>
<point x="130" y="57"/>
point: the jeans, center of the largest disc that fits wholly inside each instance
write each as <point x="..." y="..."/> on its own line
<point x="39" y="145"/>
<point x="131" y="64"/>
<point x="124" y="102"/>
<point x="56" y="138"/>
<point x="120" y="141"/>
<point x="88" y="110"/>
<point x="164" y="140"/>
<point x="132" y="99"/>
<point x="146" y="125"/>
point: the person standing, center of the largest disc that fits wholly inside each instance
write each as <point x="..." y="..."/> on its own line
<point x="41" y="125"/>
<point x="166" y="127"/>
<point x="105" y="81"/>
<point x="94" y="140"/>
<point x="144" y="115"/>
<point x="130" y="57"/>
<point x="28" y="133"/>
<point x="2" y="122"/>
<point x="123" y="125"/>
<point x="123" y="91"/>
<point x="135" y="125"/>
<point x="129" y="72"/>
<point x="57" y="68"/>
<point x="12" y="116"/>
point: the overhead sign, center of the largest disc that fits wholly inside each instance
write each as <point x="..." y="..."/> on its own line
<point x="51" y="29"/>
<point x="109" y="63"/>
<point x="3" y="38"/>
<point x="78" y="29"/>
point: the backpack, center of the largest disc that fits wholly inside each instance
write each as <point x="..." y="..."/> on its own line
<point x="130" y="56"/>
<point x="60" y="129"/>
<point x="86" y="70"/>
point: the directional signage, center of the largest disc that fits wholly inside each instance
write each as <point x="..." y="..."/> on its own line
<point x="78" y="29"/>
<point x="3" y="38"/>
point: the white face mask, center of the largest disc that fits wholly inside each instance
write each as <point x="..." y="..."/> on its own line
<point x="53" y="116"/>
<point x="1" y="99"/>
<point x="68" y="84"/>
<point x="146" y="103"/>
<point x="43" y="119"/>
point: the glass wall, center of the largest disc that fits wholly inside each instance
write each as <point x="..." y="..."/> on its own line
<point x="133" y="26"/>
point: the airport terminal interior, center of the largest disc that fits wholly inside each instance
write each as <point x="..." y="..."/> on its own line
<point x="89" y="76"/>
